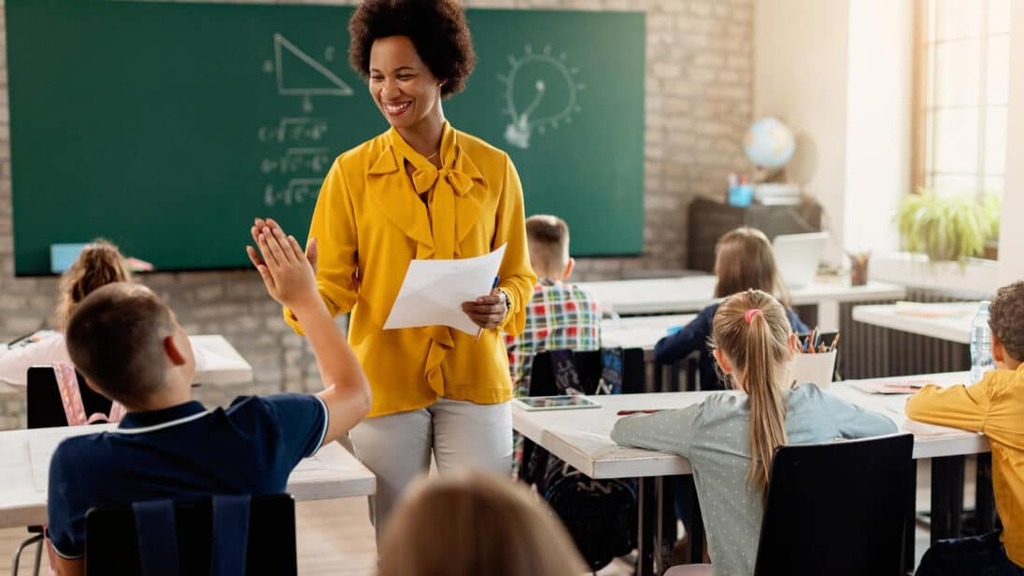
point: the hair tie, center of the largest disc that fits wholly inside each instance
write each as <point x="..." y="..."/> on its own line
<point x="750" y="314"/>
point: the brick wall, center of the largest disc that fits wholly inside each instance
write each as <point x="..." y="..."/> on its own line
<point x="698" y="105"/>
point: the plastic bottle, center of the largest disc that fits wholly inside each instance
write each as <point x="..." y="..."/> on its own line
<point x="981" y="343"/>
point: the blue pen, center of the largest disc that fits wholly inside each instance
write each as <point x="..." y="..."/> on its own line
<point x="493" y="286"/>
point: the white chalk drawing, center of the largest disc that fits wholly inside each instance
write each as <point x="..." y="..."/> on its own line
<point x="315" y="160"/>
<point x="321" y="82"/>
<point x="537" y="111"/>
<point x="294" y="130"/>
<point x="298" y="191"/>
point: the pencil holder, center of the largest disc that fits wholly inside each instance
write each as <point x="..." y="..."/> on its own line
<point x="817" y="368"/>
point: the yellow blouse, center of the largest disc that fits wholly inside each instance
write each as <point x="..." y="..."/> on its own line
<point x="993" y="407"/>
<point x="370" y="221"/>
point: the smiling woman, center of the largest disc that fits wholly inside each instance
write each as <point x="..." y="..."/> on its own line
<point x="422" y="190"/>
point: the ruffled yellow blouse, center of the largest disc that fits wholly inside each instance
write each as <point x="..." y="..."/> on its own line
<point x="370" y="222"/>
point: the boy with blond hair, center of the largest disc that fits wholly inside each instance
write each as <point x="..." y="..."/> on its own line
<point x="995" y="407"/>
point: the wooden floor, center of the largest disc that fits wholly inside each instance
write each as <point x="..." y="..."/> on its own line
<point x="335" y="536"/>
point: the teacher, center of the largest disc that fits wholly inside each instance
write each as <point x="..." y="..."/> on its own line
<point x="421" y="190"/>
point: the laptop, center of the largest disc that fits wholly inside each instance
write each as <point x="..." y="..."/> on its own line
<point x="797" y="256"/>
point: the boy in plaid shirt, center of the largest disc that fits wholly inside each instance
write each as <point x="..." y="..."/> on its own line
<point x="560" y="315"/>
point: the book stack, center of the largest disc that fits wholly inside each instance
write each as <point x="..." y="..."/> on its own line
<point x="776" y="194"/>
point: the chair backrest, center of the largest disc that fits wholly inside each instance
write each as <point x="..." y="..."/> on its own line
<point x="837" y="508"/>
<point x="44" y="407"/>
<point x="589" y="368"/>
<point x="111" y="539"/>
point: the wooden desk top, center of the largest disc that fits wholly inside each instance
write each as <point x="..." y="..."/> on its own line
<point x="25" y="463"/>
<point x="581" y="437"/>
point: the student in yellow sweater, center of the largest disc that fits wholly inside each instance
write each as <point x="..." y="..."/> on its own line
<point x="422" y="190"/>
<point x="995" y="407"/>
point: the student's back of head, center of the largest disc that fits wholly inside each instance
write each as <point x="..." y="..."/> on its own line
<point x="472" y="524"/>
<point x="116" y="338"/>
<point x="100" y="263"/>
<point x="743" y="260"/>
<point x="1006" y="319"/>
<point x="753" y="342"/>
<point x="548" y="240"/>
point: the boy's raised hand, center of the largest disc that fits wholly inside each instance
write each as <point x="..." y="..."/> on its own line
<point x="286" y="271"/>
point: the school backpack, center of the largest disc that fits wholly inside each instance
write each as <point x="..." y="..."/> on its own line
<point x="600" y="515"/>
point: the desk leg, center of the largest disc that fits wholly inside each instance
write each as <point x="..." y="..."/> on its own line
<point x="947" y="497"/>
<point x="645" y="532"/>
<point x="984" y="500"/>
<point x="695" y="523"/>
<point x="910" y="524"/>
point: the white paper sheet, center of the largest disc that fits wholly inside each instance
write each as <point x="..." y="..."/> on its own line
<point x="433" y="291"/>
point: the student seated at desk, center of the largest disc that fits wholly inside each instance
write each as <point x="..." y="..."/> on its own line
<point x="100" y="263"/>
<point x="490" y="525"/>
<point x="730" y="439"/>
<point x="995" y="407"/>
<point x="129" y="346"/>
<point x="560" y="315"/>
<point x="743" y="260"/>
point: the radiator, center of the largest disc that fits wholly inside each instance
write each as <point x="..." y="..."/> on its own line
<point x="868" y="351"/>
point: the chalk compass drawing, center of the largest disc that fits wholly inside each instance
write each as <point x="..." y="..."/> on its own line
<point x="541" y="93"/>
<point x="299" y="74"/>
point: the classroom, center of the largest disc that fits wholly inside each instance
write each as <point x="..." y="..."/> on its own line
<point x="663" y="108"/>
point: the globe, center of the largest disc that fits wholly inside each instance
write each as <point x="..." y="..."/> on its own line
<point x="769" y="143"/>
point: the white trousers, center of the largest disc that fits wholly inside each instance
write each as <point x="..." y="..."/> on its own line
<point x="397" y="447"/>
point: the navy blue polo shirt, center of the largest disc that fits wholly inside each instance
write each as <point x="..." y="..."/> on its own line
<point x="181" y="452"/>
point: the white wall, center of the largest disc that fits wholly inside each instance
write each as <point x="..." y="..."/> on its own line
<point x="1011" y="233"/>
<point x="800" y="72"/>
<point x="878" y="121"/>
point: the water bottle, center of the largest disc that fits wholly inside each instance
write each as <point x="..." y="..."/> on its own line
<point x="981" y="343"/>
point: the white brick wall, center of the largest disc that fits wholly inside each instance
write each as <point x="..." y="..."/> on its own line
<point x="698" y="105"/>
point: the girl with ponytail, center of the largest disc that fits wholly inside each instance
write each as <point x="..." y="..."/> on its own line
<point x="730" y="438"/>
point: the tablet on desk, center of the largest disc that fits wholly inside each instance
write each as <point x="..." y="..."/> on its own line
<point x="572" y="402"/>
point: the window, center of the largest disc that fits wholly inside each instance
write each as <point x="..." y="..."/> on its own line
<point x="961" y="92"/>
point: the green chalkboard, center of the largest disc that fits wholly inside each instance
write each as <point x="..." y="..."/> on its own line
<point x="165" y="127"/>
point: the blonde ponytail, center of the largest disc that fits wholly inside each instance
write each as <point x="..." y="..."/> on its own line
<point x="751" y="329"/>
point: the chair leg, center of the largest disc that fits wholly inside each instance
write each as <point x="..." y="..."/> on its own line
<point x="39" y="556"/>
<point x="36" y="539"/>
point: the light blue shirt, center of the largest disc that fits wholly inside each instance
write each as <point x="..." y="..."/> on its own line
<point x="714" y="437"/>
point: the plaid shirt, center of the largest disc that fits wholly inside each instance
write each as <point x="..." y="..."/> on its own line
<point x="559" y="316"/>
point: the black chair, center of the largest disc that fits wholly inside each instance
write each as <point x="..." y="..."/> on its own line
<point x="589" y="368"/>
<point x="838" y="508"/>
<point x="112" y="545"/>
<point x="43" y="403"/>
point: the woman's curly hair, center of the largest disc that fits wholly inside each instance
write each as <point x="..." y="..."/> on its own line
<point x="437" y="28"/>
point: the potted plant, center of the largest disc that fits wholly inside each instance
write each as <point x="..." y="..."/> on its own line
<point x="947" y="227"/>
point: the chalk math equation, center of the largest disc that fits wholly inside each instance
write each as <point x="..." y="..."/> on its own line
<point x="295" y="159"/>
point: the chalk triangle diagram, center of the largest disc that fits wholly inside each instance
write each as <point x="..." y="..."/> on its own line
<point x="300" y="75"/>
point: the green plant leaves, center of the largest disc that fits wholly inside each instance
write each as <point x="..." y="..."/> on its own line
<point x="947" y="226"/>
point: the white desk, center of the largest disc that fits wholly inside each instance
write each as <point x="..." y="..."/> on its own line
<point x="693" y="293"/>
<point x="25" y="463"/>
<point x="581" y="437"/>
<point x="949" y="321"/>
<point x="217" y="361"/>
<point x="640" y="331"/>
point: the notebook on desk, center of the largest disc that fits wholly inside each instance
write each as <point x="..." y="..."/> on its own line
<point x="797" y="257"/>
